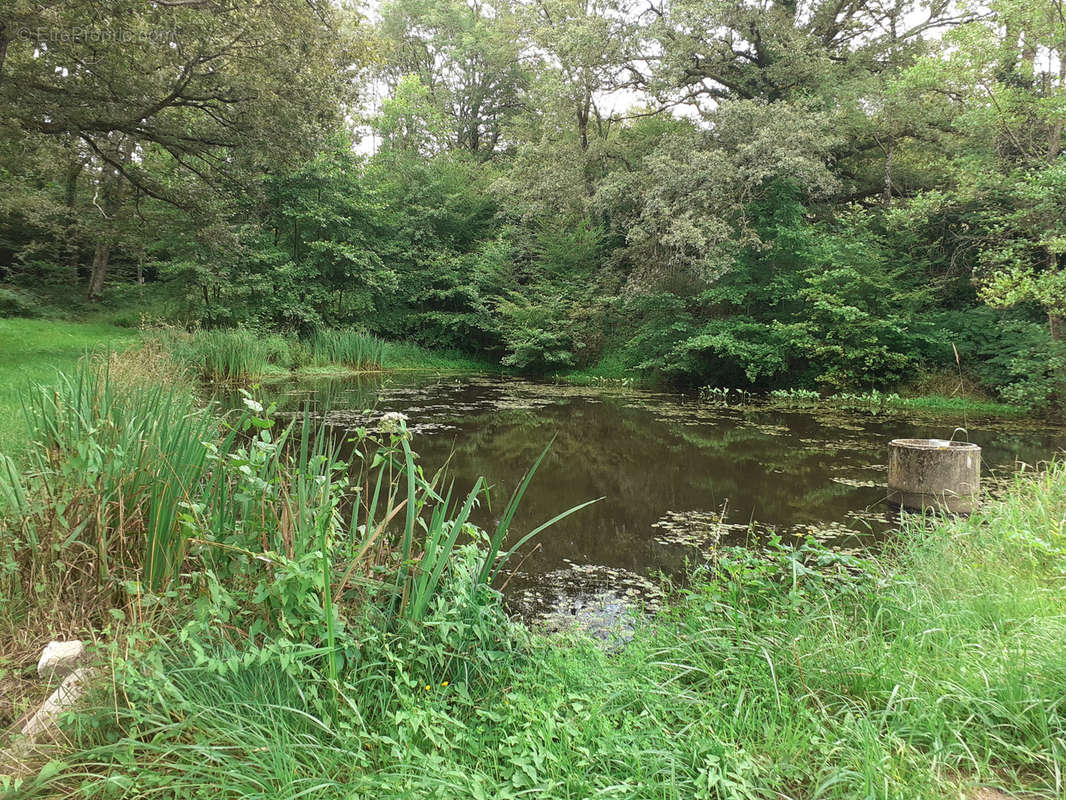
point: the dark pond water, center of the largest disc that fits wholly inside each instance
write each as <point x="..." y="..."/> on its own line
<point x="679" y="477"/>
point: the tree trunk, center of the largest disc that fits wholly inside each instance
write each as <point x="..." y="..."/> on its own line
<point x="101" y="257"/>
<point x="1054" y="145"/>
<point x="112" y="190"/>
<point x="1057" y="325"/>
<point x="4" y="36"/>
<point x="886" y="192"/>
<point x="583" y="111"/>
<point x="71" y="198"/>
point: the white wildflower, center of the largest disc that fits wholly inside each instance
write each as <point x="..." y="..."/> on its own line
<point x="253" y="405"/>
<point x="391" y="421"/>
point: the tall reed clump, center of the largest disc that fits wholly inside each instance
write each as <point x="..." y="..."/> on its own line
<point x="350" y="348"/>
<point x="108" y="472"/>
<point x="230" y="355"/>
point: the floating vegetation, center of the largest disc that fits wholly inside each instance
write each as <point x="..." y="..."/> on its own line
<point x="725" y="395"/>
<point x="881" y="467"/>
<point x="875" y="517"/>
<point x="374" y="421"/>
<point x="833" y="533"/>
<point x="603" y="601"/>
<point x="701" y="530"/>
<point x="857" y="484"/>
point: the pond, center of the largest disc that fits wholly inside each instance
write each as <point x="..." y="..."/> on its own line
<point x="678" y="476"/>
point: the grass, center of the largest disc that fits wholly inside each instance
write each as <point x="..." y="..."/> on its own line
<point x="880" y="402"/>
<point x="35" y="351"/>
<point x="228" y="356"/>
<point x="926" y="672"/>
<point x="282" y="624"/>
<point x="409" y="356"/>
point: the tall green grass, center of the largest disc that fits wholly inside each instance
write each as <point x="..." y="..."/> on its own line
<point x="36" y="351"/>
<point x="106" y="479"/>
<point x="926" y="672"/>
<point x="121" y="478"/>
<point x="241" y="356"/>
<point x="347" y="347"/>
<point x="234" y="355"/>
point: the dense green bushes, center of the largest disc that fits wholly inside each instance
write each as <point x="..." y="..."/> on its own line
<point x="16" y="304"/>
<point x="430" y="252"/>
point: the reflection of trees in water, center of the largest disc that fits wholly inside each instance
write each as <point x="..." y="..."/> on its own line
<point x="647" y="454"/>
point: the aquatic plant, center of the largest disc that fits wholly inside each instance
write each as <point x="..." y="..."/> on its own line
<point x="795" y="397"/>
<point x="232" y="355"/>
<point x="347" y="347"/>
<point x="724" y="395"/>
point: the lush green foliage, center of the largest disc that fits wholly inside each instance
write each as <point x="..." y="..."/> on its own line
<point x="818" y="200"/>
<point x="229" y="355"/>
<point x="925" y="672"/>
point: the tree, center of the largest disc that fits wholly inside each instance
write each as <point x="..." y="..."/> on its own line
<point x="1008" y="163"/>
<point x="777" y="49"/>
<point x="219" y="91"/>
<point x="469" y="58"/>
<point x="685" y="209"/>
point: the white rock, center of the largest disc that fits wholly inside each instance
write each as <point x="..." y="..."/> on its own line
<point x="44" y="722"/>
<point x="60" y="658"/>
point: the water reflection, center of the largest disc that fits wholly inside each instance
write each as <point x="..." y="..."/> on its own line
<point x="678" y="477"/>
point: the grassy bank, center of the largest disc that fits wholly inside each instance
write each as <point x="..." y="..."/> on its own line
<point x="240" y="356"/>
<point x="35" y="351"/>
<point x="279" y="651"/>
<point x="882" y="402"/>
<point x="913" y="400"/>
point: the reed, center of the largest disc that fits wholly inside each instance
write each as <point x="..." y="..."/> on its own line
<point x="348" y="348"/>
<point x="109" y="471"/>
<point x="234" y="355"/>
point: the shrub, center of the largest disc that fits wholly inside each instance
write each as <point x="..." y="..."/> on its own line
<point x="17" y="304"/>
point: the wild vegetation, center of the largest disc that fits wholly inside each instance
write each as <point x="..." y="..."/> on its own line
<point x="265" y="644"/>
<point x="767" y="197"/>
<point x="821" y="203"/>
<point x="35" y="352"/>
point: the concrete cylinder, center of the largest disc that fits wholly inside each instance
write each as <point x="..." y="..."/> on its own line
<point x="934" y="474"/>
